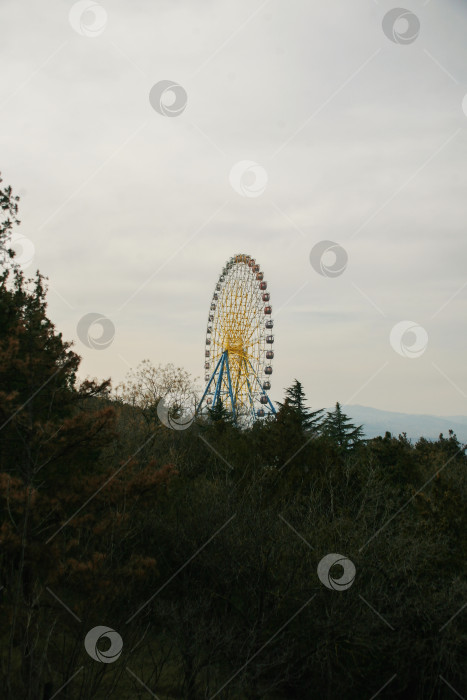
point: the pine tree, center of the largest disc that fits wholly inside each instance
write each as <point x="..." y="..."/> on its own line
<point x="339" y="428"/>
<point x="50" y="436"/>
<point x="295" y="400"/>
<point x="9" y="206"/>
<point x="218" y="413"/>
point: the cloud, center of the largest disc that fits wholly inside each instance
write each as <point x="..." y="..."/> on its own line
<point x="132" y="213"/>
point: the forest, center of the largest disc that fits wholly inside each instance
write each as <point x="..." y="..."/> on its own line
<point x="142" y="561"/>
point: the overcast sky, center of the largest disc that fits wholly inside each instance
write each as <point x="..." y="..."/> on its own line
<point x="362" y="135"/>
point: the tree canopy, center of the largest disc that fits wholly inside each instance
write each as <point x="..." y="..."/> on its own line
<point x="295" y="400"/>
<point x="211" y="551"/>
<point x="339" y="428"/>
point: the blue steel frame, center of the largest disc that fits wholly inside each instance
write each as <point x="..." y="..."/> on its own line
<point x="223" y="364"/>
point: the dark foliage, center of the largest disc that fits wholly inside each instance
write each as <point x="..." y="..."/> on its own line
<point x="200" y="547"/>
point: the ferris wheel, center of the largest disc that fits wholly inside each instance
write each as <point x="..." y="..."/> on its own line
<point x="239" y="342"/>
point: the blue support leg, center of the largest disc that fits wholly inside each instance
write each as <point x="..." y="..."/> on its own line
<point x="209" y="384"/>
<point x="219" y="380"/>
<point x="230" y="386"/>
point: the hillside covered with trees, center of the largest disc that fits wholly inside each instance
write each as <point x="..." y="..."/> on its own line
<point x="204" y="549"/>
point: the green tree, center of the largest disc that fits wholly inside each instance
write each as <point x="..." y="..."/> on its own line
<point x="46" y="438"/>
<point x="295" y="401"/>
<point x="9" y="206"/>
<point x="339" y="428"/>
<point x="218" y="412"/>
<point x="221" y="418"/>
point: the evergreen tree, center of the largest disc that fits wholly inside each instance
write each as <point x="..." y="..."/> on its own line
<point x="339" y="428"/>
<point x="47" y="442"/>
<point x="9" y="206"/>
<point x="218" y="413"/>
<point x="288" y="414"/>
<point x="295" y="400"/>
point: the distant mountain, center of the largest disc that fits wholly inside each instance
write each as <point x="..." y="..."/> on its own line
<point x="376" y="422"/>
